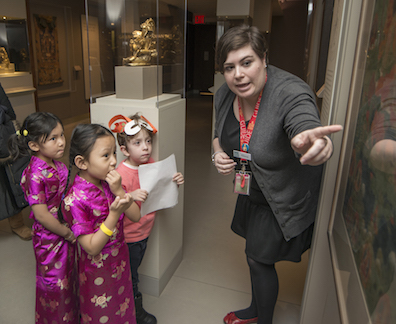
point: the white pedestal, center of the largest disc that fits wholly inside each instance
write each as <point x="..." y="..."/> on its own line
<point x="138" y="82"/>
<point x="19" y="89"/>
<point x="167" y="114"/>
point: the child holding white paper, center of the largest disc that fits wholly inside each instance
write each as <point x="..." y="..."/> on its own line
<point x="135" y="140"/>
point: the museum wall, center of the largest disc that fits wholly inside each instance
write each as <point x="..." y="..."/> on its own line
<point x="13" y="8"/>
<point x="56" y="33"/>
<point x="287" y="38"/>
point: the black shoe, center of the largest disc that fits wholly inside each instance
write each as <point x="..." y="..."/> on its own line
<point x="142" y="317"/>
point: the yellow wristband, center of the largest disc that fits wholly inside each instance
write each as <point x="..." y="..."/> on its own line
<point x="105" y="230"/>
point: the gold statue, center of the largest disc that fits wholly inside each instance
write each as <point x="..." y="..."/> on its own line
<point x="142" y="45"/>
<point x="4" y="60"/>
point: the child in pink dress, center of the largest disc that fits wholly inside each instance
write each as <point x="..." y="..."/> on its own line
<point x="43" y="182"/>
<point x="94" y="207"/>
<point x="135" y="140"/>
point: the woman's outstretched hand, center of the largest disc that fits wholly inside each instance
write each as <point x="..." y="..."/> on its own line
<point x="314" y="145"/>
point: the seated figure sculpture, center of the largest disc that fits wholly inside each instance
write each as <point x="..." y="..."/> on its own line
<point x="142" y="45"/>
<point x="4" y="60"/>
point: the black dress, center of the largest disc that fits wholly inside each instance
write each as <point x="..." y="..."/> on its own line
<point x="253" y="217"/>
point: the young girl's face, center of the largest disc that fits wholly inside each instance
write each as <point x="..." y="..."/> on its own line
<point x="53" y="147"/>
<point x="101" y="160"/>
<point x="139" y="148"/>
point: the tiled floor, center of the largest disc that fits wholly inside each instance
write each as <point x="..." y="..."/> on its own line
<point x="213" y="277"/>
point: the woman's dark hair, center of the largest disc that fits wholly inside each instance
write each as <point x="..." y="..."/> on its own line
<point x="82" y="141"/>
<point x="35" y="128"/>
<point x="238" y="37"/>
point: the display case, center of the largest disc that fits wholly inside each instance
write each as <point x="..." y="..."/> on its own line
<point x="14" y="51"/>
<point x="15" y="74"/>
<point x="135" y="34"/>
<point x="362" y="231"/>
<point x="134" y="63"/>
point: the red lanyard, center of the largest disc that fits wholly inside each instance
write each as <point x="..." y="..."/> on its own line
<point x="246" y="134"/>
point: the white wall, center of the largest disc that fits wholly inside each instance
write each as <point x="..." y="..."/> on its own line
<point x="235" y="8"/>
<point x="262" y="16"/>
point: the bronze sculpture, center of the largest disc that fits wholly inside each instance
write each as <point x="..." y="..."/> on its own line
<point x="4" y="60"/>
<point x="142" y="45"/>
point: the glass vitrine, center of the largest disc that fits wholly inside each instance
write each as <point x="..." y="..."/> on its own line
<point x="14" y="50"/>
<point x="140" y="43"/>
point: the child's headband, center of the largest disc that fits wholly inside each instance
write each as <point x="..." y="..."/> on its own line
<point x="130" y="126"/>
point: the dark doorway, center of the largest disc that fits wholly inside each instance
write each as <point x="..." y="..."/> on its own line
<point x="201" y="41"/>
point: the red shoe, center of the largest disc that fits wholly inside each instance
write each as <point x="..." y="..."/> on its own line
<point x="231" y="318"/>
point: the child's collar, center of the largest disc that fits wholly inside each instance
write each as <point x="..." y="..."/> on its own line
<point x="130" y="166"/>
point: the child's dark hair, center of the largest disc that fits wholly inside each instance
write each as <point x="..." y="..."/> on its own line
<point x="82" y="141"/>
<point x="123" y="138"/>
<point x="35" y="128"/>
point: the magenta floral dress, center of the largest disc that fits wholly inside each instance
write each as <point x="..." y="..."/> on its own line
<point x="56" y="299"/>
<point x="106" y="294"/>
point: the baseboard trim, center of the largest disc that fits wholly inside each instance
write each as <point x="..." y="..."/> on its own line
<point x="155" y="286"/>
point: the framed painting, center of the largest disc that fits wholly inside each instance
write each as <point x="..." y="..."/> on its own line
<point x="47" y="49"/>
<point x="362" y="232"/>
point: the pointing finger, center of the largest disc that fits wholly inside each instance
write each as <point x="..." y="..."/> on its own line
<point x="326" y="130"/>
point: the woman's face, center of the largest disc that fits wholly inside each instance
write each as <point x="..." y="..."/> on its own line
<point x="244" y="72"/>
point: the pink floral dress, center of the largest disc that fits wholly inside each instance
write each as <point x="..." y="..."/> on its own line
<point x="106" y="294"/>
<point x="56" y="299"/>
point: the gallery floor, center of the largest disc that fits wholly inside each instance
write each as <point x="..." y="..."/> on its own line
<point x="213" y="277"/>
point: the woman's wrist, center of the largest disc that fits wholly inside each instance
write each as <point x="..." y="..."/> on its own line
<point x="214" y="154"/>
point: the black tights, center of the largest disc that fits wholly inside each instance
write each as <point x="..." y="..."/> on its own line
<point x="264" y="292"/>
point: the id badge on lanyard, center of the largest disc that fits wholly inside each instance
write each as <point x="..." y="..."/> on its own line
<point x="242" y="177"/>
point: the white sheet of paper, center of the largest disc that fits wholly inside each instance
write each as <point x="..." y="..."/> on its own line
<point x="156" y="178"/>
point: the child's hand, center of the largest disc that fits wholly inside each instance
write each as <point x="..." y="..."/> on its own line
<point x="70" y="237"/>
<point x="139" y="195"/>
<point x="113" y="178"/>
<point x="120" y="205"/>
<point x="178" y="178"/>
